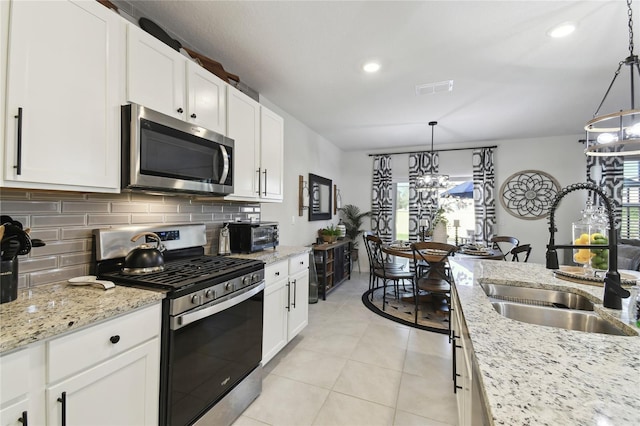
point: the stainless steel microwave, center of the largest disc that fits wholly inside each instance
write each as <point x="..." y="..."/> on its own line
<point x="167" y="155"/>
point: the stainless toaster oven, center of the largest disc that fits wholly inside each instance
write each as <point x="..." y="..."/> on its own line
<point x="249" y="237"/>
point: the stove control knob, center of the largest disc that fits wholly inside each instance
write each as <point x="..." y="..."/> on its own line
<point x="195" y="299"/>
<point x="255" y="278"/>
<point x="210" y="294"/>
<point x="246" y="280"/>
<point x="228" y="286"/>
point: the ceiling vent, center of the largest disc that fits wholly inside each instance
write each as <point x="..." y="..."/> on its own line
<point x="431" y="88"/>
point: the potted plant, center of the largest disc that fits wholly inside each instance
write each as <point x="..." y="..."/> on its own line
<point x="352" y="219"/>
<point x="329" y="234"/>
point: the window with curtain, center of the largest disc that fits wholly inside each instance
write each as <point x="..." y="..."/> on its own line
<point x="630" y="223"/>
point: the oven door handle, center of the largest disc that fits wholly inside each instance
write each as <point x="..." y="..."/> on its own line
<point x="186" y="319"/>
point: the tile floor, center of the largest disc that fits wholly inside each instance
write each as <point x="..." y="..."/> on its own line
<point x="351" y="367"/>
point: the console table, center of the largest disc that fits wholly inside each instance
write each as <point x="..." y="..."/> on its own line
<point x="333" y="265"/>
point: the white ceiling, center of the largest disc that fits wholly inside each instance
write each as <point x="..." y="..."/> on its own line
<point x="510" y="79"/>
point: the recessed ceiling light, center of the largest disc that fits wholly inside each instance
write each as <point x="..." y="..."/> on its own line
<point x="562" y="30"/>
<point x="371" y="67"/>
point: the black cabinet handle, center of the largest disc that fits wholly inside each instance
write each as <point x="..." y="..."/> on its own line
<point x="180" y="110"/>
<point x="259" y="181"/>
<point x="18" y="166"/>
<point x="295" y="290"/>
<point x="23" y="419"/>
<point x="277" y="274"/>
<point x="288" y="296"/>
<point x="193" y="115"/>
<point x="63" y="401"/>
<point x="265" y="182"/>
<point x="114" y="339"/>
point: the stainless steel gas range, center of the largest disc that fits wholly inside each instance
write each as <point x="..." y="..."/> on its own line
<point x="211" y="321"/>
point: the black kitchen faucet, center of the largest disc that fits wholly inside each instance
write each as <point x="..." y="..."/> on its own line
<point x="613" y="291"/>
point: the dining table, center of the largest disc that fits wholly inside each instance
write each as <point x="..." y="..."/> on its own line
<point x="404" y="250"/>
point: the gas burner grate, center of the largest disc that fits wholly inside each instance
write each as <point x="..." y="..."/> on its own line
<point x="184" y="272"/>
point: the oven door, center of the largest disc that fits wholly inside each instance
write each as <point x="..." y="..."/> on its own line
<point x="211" y="349"/>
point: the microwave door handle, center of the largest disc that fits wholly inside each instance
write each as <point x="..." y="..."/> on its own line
<point x="225" y="168"/>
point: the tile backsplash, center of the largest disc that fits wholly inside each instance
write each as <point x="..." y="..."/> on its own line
<point x="64" y="221"/>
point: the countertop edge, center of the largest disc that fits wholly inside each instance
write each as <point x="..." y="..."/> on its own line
<point x="49" y="311"/>
<point x="271" y="256"/>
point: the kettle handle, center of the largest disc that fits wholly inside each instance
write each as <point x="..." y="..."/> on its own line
<point x="152" y="235"/>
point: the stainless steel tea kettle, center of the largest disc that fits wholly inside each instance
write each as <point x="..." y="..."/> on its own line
<point x="145" y="258"/>
<point x="224" y="245"/>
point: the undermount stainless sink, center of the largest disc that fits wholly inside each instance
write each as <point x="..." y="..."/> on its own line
<point x="538" y="297"/>
<point x="553" y="317"/>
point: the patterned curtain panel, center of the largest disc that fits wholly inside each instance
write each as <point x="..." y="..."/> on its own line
<point x="484" y="201"/>
<point x="610" y="178"/>
<point x="381" y="198"/>
<point x="422" y="205"/>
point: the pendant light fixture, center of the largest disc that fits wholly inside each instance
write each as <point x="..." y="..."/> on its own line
<point x="432" y="181"/>
<point x="618" y="133"/>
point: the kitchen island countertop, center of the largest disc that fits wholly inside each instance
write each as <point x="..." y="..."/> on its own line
<point x="537" y="375"/>
<point x="47" y="311"/>
<point x="271" y="255"/>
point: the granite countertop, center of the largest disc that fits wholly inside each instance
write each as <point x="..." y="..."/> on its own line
<point x="271" y="256"/>
<point x="46" y="311"/>
<point x="537" y="375"/>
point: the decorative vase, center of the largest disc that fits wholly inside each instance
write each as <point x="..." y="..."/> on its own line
<point x="440" y="233"/>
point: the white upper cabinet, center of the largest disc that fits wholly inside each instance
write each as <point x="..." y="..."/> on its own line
<point x="164" y="80"/>
<point x="271" y="155"/>
<point x="63" y="96"/>
<point x="259" y="149"/>
<point x="243" y="126"/>
<point x="207" y="99"/>
<point x="155" y="74"/>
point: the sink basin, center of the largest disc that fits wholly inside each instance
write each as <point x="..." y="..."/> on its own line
<point x="538" y="297"/>
<point x="553" y="317"/>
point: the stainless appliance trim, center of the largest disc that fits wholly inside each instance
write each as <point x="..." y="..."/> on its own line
<point x="225" y="171"/>
<point x="229" y="408"/>
<point x="217" y="306"/>
<point x="135" y="180"/>
<point x="116" y="242"/>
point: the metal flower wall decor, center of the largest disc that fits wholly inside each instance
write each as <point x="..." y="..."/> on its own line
<point x="528" y="194"/>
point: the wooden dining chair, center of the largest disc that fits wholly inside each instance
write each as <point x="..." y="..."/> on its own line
<point x="523" y="250"/>
<point x="432" y="272"/>
<point x="508" y="243"/>
<point x="370" y="246"/>
<point x="383" y="270"/>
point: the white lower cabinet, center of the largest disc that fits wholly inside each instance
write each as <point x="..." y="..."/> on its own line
<point x="119" y="391"/>
<point x="470" y="410"/>
<point x="105" y="374"/>
<point x="21" y="383"/>
<point x="286" y="303"/>
<point x="298" y="313"/>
